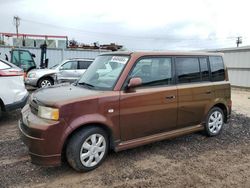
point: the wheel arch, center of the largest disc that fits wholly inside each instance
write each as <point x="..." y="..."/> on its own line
<point x="223" y="107"/>
<point x="103" y="126"/>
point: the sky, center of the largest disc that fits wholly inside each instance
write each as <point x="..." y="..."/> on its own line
<point x="135" y="24"/>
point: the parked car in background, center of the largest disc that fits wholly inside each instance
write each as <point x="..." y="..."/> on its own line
<point x="125" y="100"/>
<point x="13" y="94"/>
<point x="68" y="71"/>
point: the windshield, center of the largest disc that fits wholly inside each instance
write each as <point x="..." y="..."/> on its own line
<point x="103" y="72"/>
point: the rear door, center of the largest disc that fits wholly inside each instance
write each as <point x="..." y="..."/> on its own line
<point x="194" y="89"/>
<point x="151" y="108"/>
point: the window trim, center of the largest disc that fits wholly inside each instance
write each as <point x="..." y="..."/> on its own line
<point x="125" y="83"/>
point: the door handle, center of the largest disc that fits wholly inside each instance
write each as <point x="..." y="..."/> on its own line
<point x="208" y="92"/>
<point x="170" y="97"/>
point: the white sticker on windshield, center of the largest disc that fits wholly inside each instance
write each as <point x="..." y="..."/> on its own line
<point x="119" y="59"/>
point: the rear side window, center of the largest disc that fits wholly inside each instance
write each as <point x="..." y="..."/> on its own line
<point x="187" y="69"/>
<point x="217" y="68"/>
<point x="204" y="69"/>
<point x="84" y="64"/>
<point x="4" y="65"/>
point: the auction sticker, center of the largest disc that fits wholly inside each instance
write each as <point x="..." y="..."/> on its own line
<point x="119" y="59"/>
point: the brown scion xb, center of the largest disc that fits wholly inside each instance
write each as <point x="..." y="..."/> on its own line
<point x="125" y="100"/>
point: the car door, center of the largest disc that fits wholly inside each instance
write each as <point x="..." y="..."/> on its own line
<point x="68" y="72"/>
<point x="151" y="108"/>
<point x="194" y="89"/>
<point x="82" y="67"/>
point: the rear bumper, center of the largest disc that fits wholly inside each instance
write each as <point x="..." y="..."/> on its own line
<point x="18" y="104"/>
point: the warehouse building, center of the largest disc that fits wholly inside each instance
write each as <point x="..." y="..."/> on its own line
<point x="238" y="64"/>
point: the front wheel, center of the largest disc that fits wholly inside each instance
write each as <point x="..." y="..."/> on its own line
<point x="87" y="149"/>
<point x="45" y="82"/>
<point x="214" y="121"/>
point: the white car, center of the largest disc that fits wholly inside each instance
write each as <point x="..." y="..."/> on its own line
<point x="13" y="94"/>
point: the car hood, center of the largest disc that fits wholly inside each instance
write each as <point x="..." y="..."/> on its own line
<point x="62" y="94"/>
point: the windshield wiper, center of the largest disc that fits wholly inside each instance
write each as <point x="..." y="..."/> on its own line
<point x="86" y="84"/>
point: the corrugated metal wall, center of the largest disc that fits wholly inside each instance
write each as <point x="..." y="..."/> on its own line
<point x="238" y="64"/>
<point x="55" y="55"/>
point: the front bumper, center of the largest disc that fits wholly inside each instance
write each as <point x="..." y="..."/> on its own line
<point x="31" y="81"/>
<point x="42" y="137"/>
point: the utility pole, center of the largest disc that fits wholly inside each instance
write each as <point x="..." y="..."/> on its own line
<point x="238" y="41"/>
<point x="16" y="21"/>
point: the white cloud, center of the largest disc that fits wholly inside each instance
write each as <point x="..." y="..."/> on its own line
<point x="159" y="24"/>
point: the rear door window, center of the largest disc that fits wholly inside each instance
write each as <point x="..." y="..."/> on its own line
<point x="84" y="64"/>
<point x="217" y="68"/>
<point x="187" y="69"/>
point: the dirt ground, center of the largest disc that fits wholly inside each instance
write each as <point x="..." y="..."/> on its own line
<point x="189" y="161"/>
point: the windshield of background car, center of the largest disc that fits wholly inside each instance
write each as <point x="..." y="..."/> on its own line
<point x="103" y="73"/>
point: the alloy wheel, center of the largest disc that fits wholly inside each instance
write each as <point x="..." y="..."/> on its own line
<point x="92" y="150"/>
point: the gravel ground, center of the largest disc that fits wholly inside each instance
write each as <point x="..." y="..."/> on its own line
<point x="188" y="161"/>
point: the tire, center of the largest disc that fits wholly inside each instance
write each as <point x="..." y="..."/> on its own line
<point x="85" y="143"/>
<point x="214" y="121"/>
<point x="45" y="82"/>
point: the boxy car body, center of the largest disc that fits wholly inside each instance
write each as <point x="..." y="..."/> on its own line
<point x="154" y="96"/>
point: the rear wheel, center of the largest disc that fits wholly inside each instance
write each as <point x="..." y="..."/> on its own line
<point x="45" y="82"/>
<point x="214" y="121"/>
<point x="87" y="149"/>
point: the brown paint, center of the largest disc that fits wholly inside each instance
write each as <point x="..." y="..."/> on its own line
<point x="140" y="116"/>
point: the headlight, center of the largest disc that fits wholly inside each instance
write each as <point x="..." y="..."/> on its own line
<point x="48" y="113"/>
<point x="31" y="75"/>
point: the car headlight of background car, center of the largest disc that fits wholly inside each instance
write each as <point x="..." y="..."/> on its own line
<point x="32" y="75"/>
<point x="48" y="113"/>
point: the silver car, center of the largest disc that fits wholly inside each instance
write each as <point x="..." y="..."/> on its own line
<point x="68" y="71"/>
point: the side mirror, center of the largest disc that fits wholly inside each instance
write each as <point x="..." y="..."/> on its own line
<point x="134" y="82"/>
<point x="33" y="55"/>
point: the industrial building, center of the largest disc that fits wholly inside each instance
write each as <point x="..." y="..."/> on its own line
<point x="238" y="64"/>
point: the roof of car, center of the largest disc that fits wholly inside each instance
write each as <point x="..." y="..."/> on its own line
<point x="172" y="53"/>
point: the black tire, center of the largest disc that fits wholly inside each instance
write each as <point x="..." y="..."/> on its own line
<point x="214" y="127"/>
<point x="75" y="147"/>
<point x="0" y="111"/>
<point x="43" y="81"/>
